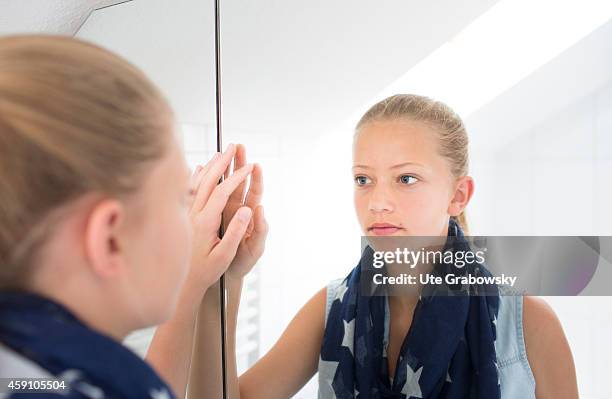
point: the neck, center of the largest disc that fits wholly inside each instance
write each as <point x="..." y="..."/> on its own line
<point x="403" y="302"/>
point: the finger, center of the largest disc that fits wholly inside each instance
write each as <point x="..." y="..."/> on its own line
<point x="225" y="250"/>
<point x="196" y="171"/>
<point x="210" y="162"/>
<point x="211" y="179"/>
<point x="194" y="182"/>
<point x="255" y="193"/>
<point x="240" y="157"/>
<point x="220" y="196"/>
<point x="260" y="231"/>
<point x="200" y="172"/>
<point x="197" y="177"/>
<point x="228" y="172"/>
<point x="237" y="196"/>
<point x="261" y="225"/>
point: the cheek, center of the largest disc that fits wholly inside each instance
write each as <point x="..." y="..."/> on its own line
<point x="160" y="254"/>
<point x="422" y="211"/>
<point x="360" y="201"/>
<point x="174" y="241"/>
<point x="179" y="236"/>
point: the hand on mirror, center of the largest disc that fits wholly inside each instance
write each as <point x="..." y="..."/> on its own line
<point x="211" y="255"/>
<point x="172" y="345"/>
<point x="253" y="243"/>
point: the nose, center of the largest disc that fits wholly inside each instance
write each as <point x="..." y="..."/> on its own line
<point x="380" y="200"/>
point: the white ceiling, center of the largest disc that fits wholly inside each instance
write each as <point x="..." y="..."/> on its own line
<point x="288" y="67"/>
<point x="302" y="67"/>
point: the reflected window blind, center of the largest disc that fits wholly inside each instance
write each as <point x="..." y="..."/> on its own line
<point x="247" y="331"/>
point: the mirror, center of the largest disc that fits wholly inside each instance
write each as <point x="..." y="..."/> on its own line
<point x="174" y="44"/>
<point x="535" y="102"/>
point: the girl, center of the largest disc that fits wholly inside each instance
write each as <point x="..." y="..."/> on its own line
<point x="97" y="219"/>
<point x="410" y="165"/>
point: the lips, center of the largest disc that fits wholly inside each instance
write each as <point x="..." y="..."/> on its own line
<point x="383" y="229"/>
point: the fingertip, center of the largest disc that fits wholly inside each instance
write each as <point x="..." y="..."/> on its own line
<point x="244" y="214"/>
<point x="248" y="168"/>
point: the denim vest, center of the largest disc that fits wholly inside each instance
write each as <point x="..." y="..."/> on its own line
<point x="516" y="378"/>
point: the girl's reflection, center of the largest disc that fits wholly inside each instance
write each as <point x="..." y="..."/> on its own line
<point x="410" y="164"/>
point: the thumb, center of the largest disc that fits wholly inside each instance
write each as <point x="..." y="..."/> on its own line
<point x="227" y="247"/>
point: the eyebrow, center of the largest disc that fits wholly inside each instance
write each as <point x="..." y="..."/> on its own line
<point x="399" y="165"/>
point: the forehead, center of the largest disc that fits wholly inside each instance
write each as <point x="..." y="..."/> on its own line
<point x="395" y="142"/>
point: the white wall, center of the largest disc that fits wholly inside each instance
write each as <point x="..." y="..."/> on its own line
<point x="555" y="178"/>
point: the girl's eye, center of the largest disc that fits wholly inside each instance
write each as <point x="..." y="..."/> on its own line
<point x="408" y="179"/>
<point x="361" y="180"/>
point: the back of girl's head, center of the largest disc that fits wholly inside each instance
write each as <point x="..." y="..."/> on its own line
<point x="448" y="126"/>
<point x="74" y="119"/>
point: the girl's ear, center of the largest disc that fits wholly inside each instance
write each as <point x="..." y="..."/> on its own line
<point x="103" y="247"/>
<point x="464" y="188"/>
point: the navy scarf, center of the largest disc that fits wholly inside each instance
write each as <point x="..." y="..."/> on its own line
<point x="93" y="364"/>
<point x="448" y="352"/>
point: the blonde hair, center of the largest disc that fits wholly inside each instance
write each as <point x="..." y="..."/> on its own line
<point x="449" y="127"/>
<point x="74" y="119"/>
